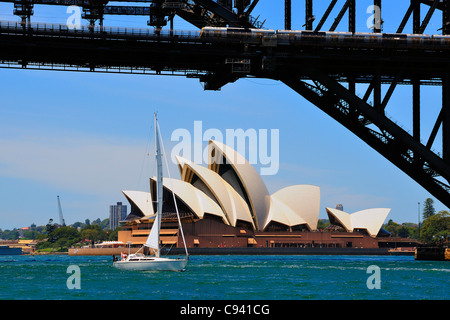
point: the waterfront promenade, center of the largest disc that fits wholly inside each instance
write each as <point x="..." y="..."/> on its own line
<point x="247" y="251"/>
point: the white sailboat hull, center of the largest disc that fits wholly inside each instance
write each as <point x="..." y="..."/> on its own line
<point x="152" y="264"/>
<point x="141" y="262"/>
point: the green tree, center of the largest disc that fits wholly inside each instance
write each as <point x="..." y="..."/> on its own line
<point x="105" y="223"/>
<point x="61" y="239"/>
<point x="113" y="235"/>
<point x="65" y="232"/>
<point x="392" y="227"/>
<point x="93" y="232"/>
<point x="10" y="234"/>
<point x="435" y="230"/>
<point x="80" y="225"/>
<point x="428" y="209"/>
<point x="404" y="232"/>
<point x="50" y="227"/>
<point x="322" y="224"/>
<point x="30" y="234"/>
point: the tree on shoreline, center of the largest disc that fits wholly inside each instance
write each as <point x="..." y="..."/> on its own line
<point x="94" y="233"/>
<point x="428" y="209"/>
<point x="435" y="230"/>
<point x="404" y="230"/>
<point x="62" y="238"/>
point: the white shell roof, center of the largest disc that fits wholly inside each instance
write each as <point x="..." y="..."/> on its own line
<point x="370" y="219"/>
<point x="254" y="186"/>
<point x="232" y="204"/>
<point x="281" y="213"/>
<point x="199" y="202"/>
<point x="298" y="204"/>
<point x="143" y="200"/>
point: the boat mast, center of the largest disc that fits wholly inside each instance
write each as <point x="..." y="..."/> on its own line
<point x="159" y="182"/>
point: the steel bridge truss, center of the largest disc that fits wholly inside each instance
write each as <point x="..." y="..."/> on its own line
<point x="327" y="76"/>
<point x="369" y="123"/>
<point x="200" y="13"/>
<point x="430" y="169"/>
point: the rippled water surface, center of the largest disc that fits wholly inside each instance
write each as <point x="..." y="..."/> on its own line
<point x="228" y="277"/>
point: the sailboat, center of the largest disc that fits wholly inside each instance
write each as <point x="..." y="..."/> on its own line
<point x="139" y="261"/>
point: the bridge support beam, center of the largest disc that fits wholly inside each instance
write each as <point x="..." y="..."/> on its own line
<point x="378" y="25"/>
<point x="385" y="136"/>
<point x="446" y="118"/>
<point x="287" y="14"/>
<point x="416" y="16"/>
<point x="446" y="18"/>
<point x="309" y="17"/>
<point x="416" y="109"/>
<point x="352" y="16"/>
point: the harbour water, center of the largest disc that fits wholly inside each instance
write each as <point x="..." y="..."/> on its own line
<point x="226" y="278"/>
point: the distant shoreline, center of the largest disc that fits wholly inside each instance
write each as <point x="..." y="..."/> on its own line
<point x="249" y="251"/>
<point x="45" y="253"/>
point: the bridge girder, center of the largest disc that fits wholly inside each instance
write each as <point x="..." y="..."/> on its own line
<point x="390" y="140"/>
<point x="203" y="13"/>
<point x="328" y="83"/>
<point x="199" y="13"/>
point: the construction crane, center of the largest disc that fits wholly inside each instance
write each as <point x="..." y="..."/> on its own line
<point x="61" y="218"/>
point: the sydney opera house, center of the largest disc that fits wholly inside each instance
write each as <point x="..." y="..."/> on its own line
<point x="227" y="204"/>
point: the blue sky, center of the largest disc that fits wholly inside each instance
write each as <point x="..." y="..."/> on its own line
<point x="86" y="136"/>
